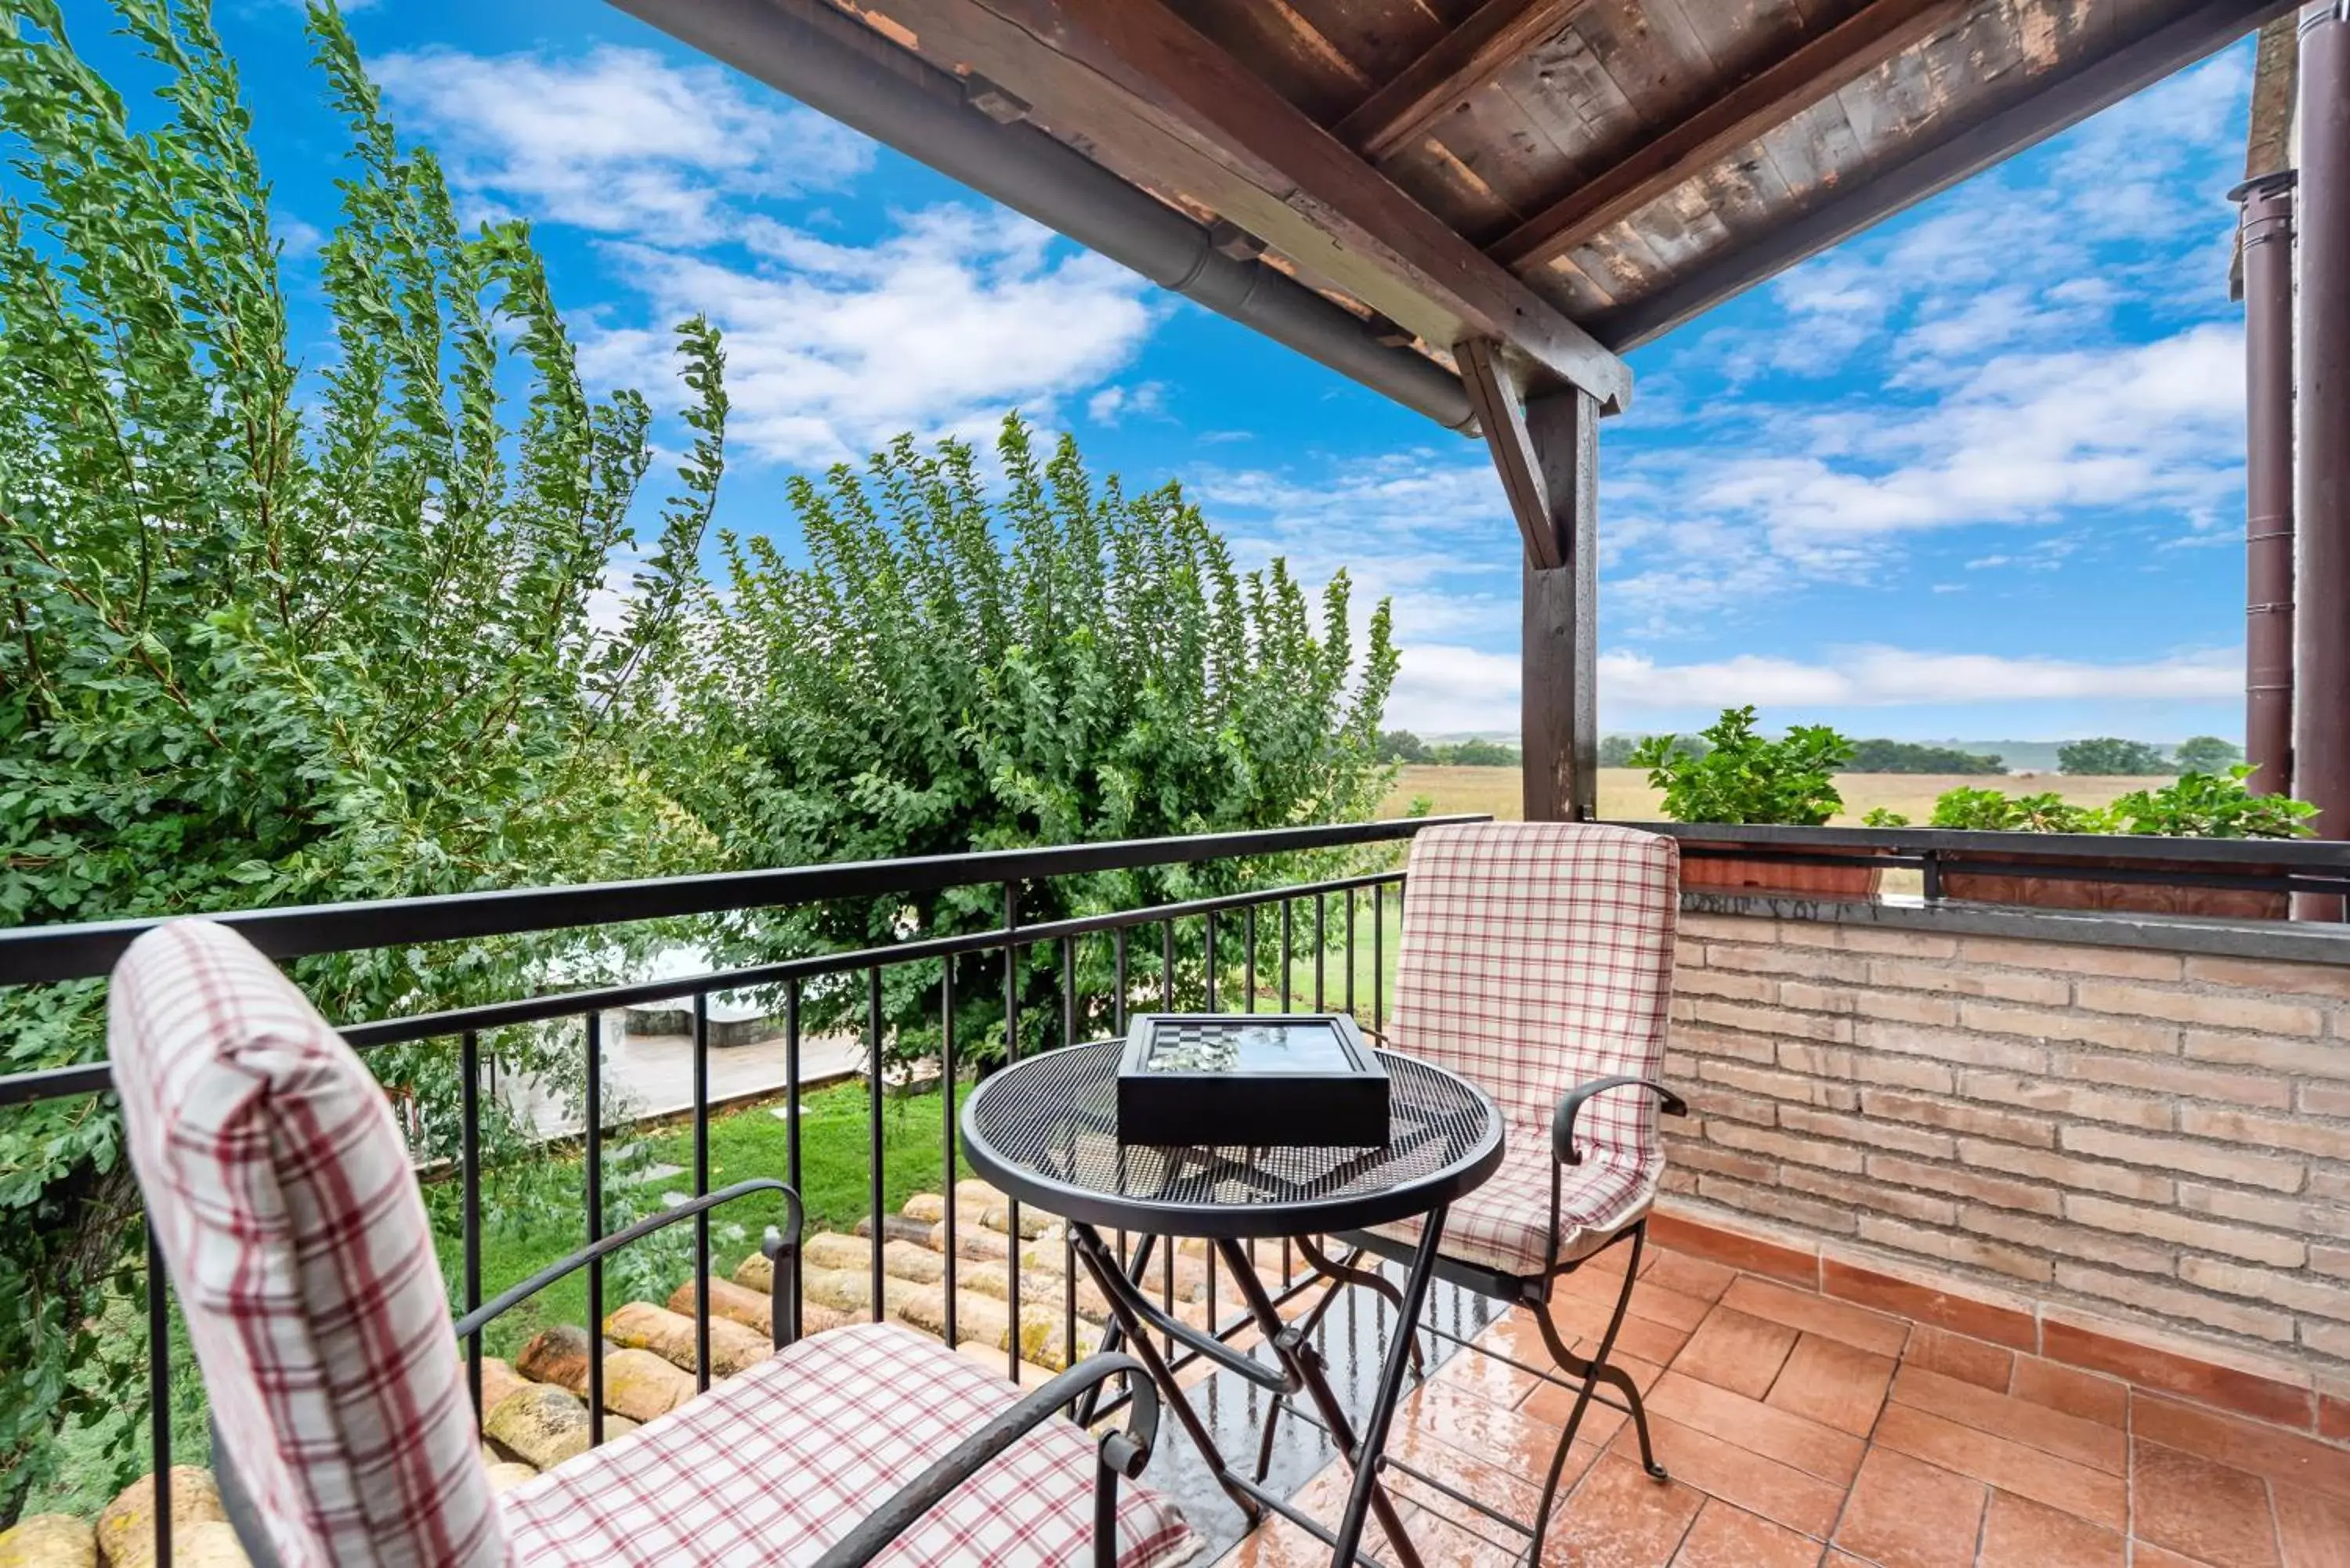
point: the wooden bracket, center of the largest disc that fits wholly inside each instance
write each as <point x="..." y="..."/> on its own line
<point x="1546" y="451"/>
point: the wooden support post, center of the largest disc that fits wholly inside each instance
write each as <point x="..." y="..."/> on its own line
<point x="1559" y="701"/>
<point x="1546" y="450"/>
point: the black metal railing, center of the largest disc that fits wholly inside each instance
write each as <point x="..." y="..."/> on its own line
<point x="1943" y="855"/>
<point x="48" y="955"/>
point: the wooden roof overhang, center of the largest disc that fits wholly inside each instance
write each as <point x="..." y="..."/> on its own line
<point x="1561" y="180"/>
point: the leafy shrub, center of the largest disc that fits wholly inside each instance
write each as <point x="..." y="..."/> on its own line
<point x="2195" y="805"/>
<point x="1745" y="777"/>
<point x="1990" y="810"/>
<point x="2212" y="806"/>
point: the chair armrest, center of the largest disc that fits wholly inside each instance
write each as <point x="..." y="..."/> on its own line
<point x="1562" y="1126"/>
<point x="782" y="1247"/>
<point x="1122" y="1454"/>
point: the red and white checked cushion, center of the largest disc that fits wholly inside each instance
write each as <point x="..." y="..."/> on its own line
<point x="1500" y="1225"/>
<point x="289" y="1221"/>
<point x="775" y="1464"/>
<point x="1537" y="956"/>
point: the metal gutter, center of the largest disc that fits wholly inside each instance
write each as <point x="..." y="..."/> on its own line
<point x="2265" y="249"/>
<point x="849" y="72"/>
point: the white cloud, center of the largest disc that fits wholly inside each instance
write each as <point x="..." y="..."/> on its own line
<point x="938" y="329"/>
<point x="616" y="139"/>
<point x="1112" y="405"/>
<point x="1447" y="687"/>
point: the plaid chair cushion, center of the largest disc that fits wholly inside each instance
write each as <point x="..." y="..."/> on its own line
<point x="1500" y="1225"/>
<point x="1537" y="956"/>
<point x="777" y="1463"/>
<point x="287" y="1214"/>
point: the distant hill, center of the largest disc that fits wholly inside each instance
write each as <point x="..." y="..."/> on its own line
<point x="2019" y="756"/>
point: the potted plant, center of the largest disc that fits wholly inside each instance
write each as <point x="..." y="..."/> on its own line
<point x="2193" y="806"/>
<point x="1745" y="777"/>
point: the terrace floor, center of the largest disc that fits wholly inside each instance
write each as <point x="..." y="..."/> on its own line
<point x="1802" y="1431"/>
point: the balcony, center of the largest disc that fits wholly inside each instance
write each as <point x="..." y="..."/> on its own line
<point x="1997" y="1234"/>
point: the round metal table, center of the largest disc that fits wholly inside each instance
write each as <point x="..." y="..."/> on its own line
<point x="1045" y="1131"/>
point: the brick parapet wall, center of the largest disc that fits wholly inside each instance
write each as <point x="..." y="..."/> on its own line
<point x="2162" y="1137"/>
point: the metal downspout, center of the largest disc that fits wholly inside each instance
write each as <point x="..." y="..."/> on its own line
<point x="2322" y="630"/>
<point x="2268" y="479"/>
<point x="842" y="69"/>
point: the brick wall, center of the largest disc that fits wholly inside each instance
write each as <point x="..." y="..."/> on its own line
<point x="2154" y="1136"/>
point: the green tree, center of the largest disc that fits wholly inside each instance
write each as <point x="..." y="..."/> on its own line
<point x="958" y="667"/>
<point x="1478" y="753"/>
<point x="2206" y="754"/>
<point x="1403" y="746"/>
<point x="1616" y="751"/>
<point x="283" y="639"/>
<point x="1882" y="756"/>
<point x="2109" y="756"/>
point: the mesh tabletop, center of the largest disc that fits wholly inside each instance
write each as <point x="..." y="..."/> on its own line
<point x="1045" y="1131"/>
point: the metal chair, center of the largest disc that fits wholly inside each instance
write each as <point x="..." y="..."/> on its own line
<point x="285" y="1206"/>
<point x="1537" y="960"/>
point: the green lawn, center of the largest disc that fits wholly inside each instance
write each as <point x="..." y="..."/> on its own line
<point x="533" y="1214"/>
<point x="1333" y="965"/>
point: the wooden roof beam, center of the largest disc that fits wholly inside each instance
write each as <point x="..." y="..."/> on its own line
<point x="1155" y="54"/>
<point x="1487" y="40"/>
<point x="1814" y="69"/>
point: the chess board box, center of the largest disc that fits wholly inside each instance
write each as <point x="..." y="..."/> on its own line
<point x="1251" y="1080"/>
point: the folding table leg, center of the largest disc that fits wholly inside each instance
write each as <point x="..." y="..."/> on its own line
<point x="1292" y="1344"/>
<point x="1102" y="1263"/>
<point x="1374" y="1439"/>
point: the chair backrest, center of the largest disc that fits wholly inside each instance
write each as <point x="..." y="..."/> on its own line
<point x="289" y="1220"/>
<point x="1537" y="956"/>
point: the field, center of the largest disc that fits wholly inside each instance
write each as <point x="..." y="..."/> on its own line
<point x="1624" y="794"/>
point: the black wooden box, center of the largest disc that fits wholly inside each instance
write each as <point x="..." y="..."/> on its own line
<point x="1258" y="1080"/>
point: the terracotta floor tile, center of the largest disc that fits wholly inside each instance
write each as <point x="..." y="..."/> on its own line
<point x="1857" y="1326"/>
<point x="1445" y="1544"/>
<point x="1906" y="1514"/>
<point x="2021" y="1533"/>
<point x="1833" y="1383"/>
<point x="2091" y="1396"/>
<point x="1736" y="1351"/>
<point x="1975" y="1361"/>
<point x="1915" y="1302"/>
<point x="1551" y="1405"/>
<point x="1487" y="1376"/>
<point x="1650" y="1300"/>
<point x="1493" y="1433"/>
<point x="1691" y="1276"/>
<point x="2146" y="1554"/>
<point x="1727" y="1537"/>
<point x="1755" y="1483"/>
<point x="2152" y="1367"/>
<point x="2247" y="1444"/>
<point x="2051" y="1431"/>
<point x="2312" y="1528"/>
<point x="1792" y="1439"/>
<point x="1618" y="1518"/>
<point x="2005" y="1463"/>
<point x="2209" y="1511"/>
<point x="1586" y="1317"/>
<point x="1513" y="1491"/>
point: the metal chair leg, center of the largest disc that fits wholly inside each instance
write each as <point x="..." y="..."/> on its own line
<point x="1592" y="1373"/>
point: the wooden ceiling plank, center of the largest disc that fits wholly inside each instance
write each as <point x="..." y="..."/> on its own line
<point x="1142" y="41"/>
<point x="1119" y="132"/>
<point x="1798" y="79"/>
<point x="1464" y="59"/>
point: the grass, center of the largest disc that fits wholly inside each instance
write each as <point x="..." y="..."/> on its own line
<point x="1624" y="794"/>
<point x="532" y="1213"/>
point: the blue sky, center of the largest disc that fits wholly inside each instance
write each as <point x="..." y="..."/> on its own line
<point x="1975" y="473"/>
